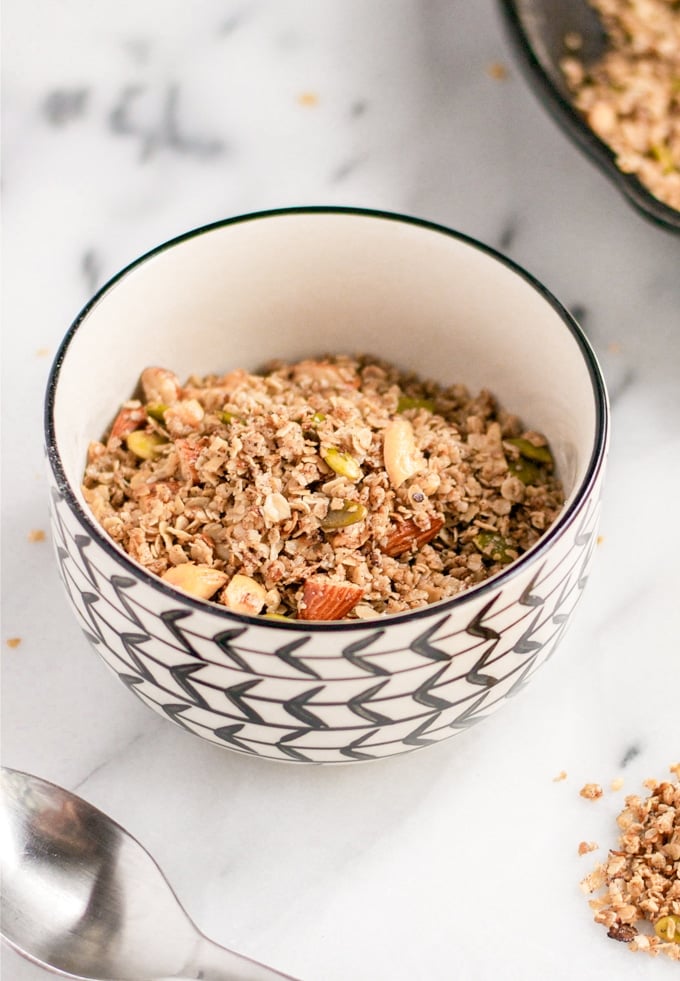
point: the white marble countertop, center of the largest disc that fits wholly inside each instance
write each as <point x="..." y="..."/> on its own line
<point x="126" y="123"/>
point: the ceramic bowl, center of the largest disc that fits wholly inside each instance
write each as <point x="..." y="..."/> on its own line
<point x="537" y="29"/>
<point x="304" y="282"/>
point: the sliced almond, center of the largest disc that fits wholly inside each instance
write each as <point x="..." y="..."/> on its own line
<point x="199" y="580"/>
<point x="327" y="600"/>
<point x="160" y="385"/>
<point x="407" y="535"/>
<point x="244" y="595"/>
<point x="401" y="455"/>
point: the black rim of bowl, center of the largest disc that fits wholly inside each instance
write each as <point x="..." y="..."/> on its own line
<point x="575" y="127"/>
<point x="562" y="523"/>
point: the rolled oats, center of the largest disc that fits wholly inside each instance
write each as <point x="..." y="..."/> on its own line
<point x="384" y="491"/>
<point x="640" y="904"/>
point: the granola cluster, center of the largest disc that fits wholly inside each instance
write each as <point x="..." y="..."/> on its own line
<point x="320" y="490"/>
<point x="631" y="96"/>
<point x="641" y="878"/>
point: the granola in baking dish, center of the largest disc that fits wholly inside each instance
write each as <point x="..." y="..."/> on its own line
<point x="320" y="490"/>
<point x="631" y="97"/>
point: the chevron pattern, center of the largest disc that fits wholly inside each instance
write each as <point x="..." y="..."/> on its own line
<point x="325" y="695"/>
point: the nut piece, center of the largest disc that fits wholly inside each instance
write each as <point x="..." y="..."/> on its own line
<point x="145" y="445"/>
<point x="275" y="509"/>
<point x="188" y="451"/>
<point x="407" y="535"/>
<point x="400" y="453"/>
<point x="244" y="595"/>
<point x="624" y="932"/>
<point x="350" y="513"/>
<point x="342" y="463"/>
<point x="591" y="791"/>
<point x="184" y="417"/>
<point x="129" y="418"/>
<point x="199" y="580"/>
<point x="326" y="600"/>
<point x="160" y="385"/>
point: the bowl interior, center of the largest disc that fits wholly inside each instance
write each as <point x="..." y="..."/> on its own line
<point x="307" y="282"/>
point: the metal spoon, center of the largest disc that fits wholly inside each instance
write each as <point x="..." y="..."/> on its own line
<point x="83" y="898"/>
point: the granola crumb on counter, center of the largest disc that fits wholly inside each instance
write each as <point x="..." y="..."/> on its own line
<point x="591" y="791"/>
<point x="617" y="783"/>
<point x="498" y="71"/>
<point x="630" y="97"/>
<point x="640" y="880"/>
<point x="562" y="775"/>
<point x="13" y="641"/>
<point x="36" y="535"/>
<point x="333" y="488"/>
<point x="587" y="846"/>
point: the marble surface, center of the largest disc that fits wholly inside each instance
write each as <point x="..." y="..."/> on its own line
<point x="126" y="123"/>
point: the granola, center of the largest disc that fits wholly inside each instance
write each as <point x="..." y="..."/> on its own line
<point x="641" y="878"/>
<point x="325" y="489"/>
<point x="631" y="97"/>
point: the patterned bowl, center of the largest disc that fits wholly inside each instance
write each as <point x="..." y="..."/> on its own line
<point x="291" y="284"/>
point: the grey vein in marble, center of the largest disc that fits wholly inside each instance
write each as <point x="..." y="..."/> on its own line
<point x="166" y="132"/>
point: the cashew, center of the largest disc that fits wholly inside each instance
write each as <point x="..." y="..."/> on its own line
<point x="160" y="385"/>
<point x="400" y="453"/>
<point x="199" y="580"/>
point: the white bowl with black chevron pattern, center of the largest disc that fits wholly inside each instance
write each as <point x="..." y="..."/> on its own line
<point x="290" y="284"/>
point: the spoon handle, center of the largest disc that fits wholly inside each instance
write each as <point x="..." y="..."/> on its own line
<point x="210" y="962"/>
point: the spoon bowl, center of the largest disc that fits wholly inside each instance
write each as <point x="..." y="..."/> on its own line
<point x="83" y="898"/>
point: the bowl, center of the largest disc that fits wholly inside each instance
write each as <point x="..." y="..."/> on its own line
<point x="291" y="284"/>
<point x="536" y="29"/>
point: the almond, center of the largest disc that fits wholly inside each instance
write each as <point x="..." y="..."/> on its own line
<point x="407" y="535"/>
<point x="128" y="419"/>
<point x="327" y="600"/>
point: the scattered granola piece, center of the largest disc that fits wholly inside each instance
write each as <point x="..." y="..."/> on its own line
<point x="308" y="99"/>
<point x="562" y="775"/>
<point x="13" y="641"/>
<point x="591" y="791"/>
<point x="36" y="535"/>
<point x="617" y="783"/>
<point x="587" y="846"/>
<point x="497" y="71"/>
<point x="600" y="539"/>
<point x="623" y="931"/>
<point x="641" y="878"/>
<point x="42" y="352"/>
